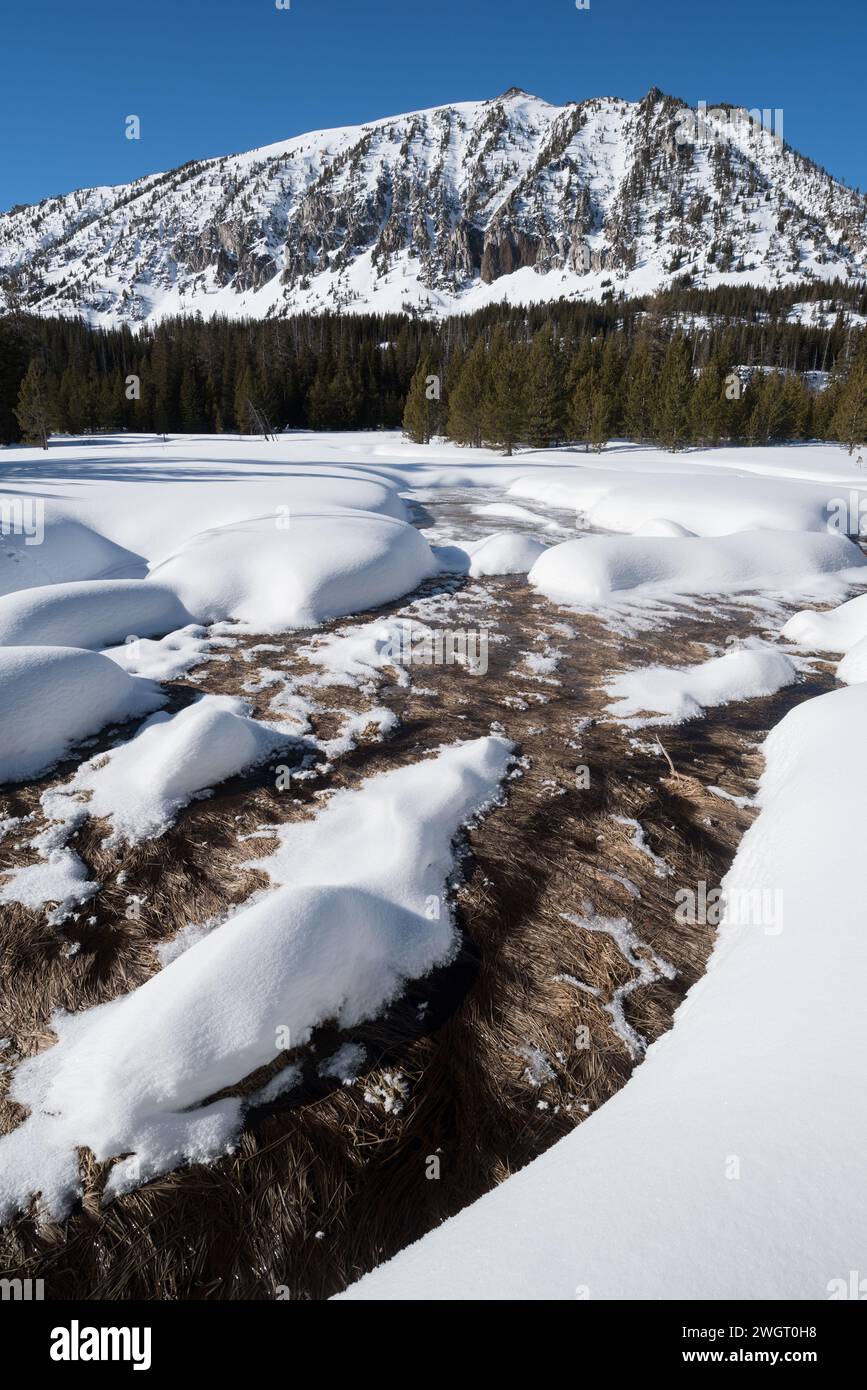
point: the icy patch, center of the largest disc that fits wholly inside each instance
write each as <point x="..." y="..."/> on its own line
<point x="383" y="721"/>
<point x="345" y="1064"/>
<point x="171" y="656"/>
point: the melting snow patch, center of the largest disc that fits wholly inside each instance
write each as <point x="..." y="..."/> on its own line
<point x="336" y="939"/>
<point x="140" y="786"/>
<point x="345" y="1064"/>
<point x="639" y="840"/>
<point x="672" y="695"/>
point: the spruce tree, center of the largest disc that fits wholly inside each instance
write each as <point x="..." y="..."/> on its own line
<point x="639" y="393"/>
<point x="34" y="408"/>
<point x="422" y="414"/>
<point x="672" y="415"/>
<point x="708" y="405"/>
<point x="465" y="398"/>
<point x="581" y="388"/>
<point x="504" y="401"/>
<point x="849" y="423"/>
<point x="545" y="392"/>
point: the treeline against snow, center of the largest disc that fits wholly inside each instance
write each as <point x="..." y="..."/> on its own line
<point x="507" y="391"/>
<point x="565" y="370"/>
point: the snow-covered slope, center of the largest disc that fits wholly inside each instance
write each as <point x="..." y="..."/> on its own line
<point x="442" y="210"/>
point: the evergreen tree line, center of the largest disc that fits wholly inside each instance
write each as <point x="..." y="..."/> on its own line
<point x="506" y="391"/>
<point x="565" y="370"/>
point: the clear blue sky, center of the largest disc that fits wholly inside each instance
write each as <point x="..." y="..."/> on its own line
<point x="210" y="77"/>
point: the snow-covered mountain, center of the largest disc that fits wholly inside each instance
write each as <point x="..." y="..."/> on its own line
<point x="441" y="211"/>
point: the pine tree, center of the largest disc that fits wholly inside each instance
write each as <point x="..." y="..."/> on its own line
<point x="581" y="388"/>
<point x="13" y="364"/>
<point x="504" y="401"/>
<point x="464" y="424"/>
<point x="672" y="415"/>
<point x="639" y="392"/>
<point x="545" y="392"/>
<point x="245" y="392"/>
<point x="422" y="417"/>
<point x="708" y="405"/>
<point x="34" y="409"/>
<point x="849" y="423"/>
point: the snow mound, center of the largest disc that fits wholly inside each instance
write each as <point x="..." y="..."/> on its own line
<point x="707" y="1176"/>
<point x="52" y="697"/>
<point x="852" y="670"/>
<point x="681" y="693"/>
<point x="360" y="908"/>
<point x="140" y="787"/>
<point x="506" y="552"/>
<point x="660" y="526"/>
<point x="67" y="550"/>
<point x="836" y="631"/>
<point x="322" y="566"/>
<point x="88" y="613"/>
<point x="595" y="568"/>
<point x="714" y="492"/>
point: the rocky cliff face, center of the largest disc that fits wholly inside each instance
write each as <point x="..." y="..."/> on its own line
<point x="443" y="210"/>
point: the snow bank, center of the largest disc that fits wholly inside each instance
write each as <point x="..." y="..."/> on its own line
<point x="94" y="613"/>
<point x="853" y="668"/>
<point x="709" y="492"/>
<point x="595" y="568"/>
<point x="47" y="550"/>
<point x="506" y="552"/>
<point x="834" y="631"/>
<point x="661" y="526"/>
<point x="680" y="693"/>
<point x="731" y="1165"/>
<point x="52" y="697"/>
<point x="322" y="566"/>
<point x="360" y="908"/>
<point x="143" y="784"/>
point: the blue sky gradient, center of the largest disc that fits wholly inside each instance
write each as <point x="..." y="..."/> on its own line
<point x="212" y="77"/>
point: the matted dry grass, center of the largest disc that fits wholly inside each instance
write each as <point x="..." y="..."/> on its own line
<point x="329" y="1181"/>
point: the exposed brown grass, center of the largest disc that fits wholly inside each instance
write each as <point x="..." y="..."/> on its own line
<point x="326" y="1183"/>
